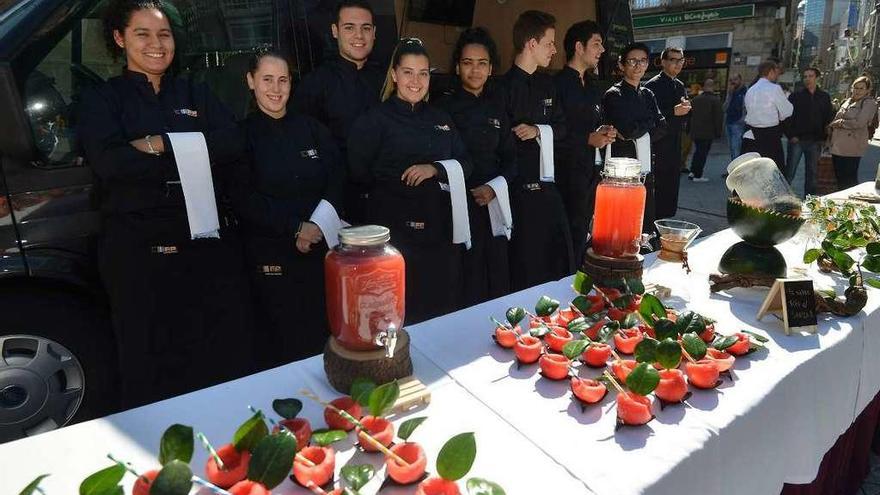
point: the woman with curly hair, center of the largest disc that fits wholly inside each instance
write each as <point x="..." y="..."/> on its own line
<point x="171" y="267"/>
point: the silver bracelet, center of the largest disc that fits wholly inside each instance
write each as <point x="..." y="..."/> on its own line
<point x="150" y="146"/>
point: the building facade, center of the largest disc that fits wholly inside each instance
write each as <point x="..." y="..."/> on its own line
<point x="720" y="37"/>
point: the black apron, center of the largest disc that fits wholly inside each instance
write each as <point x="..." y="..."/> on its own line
<point x="767" y="143"/>
<point x="486" y="265"/>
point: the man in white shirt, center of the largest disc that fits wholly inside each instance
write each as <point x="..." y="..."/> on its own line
<point x="766" y="108"/>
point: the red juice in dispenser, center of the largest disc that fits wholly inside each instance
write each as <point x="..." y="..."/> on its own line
<point x="365" y="286"/>
<point x="620" y="208"/>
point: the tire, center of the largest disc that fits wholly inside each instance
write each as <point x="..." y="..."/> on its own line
<point x="58" y="361"/>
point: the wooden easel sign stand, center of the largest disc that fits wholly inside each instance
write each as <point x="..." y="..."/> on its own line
<point x="794" y="300"/>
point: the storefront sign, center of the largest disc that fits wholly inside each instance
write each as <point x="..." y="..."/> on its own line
<point x="657" y="20"/>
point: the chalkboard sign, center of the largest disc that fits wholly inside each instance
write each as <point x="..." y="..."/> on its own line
<point x="796" y="301"/>
<point x="615" y="20"/>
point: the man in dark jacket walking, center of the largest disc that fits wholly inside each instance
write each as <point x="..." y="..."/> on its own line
<point x="806" y="128"/>
<point x="705" y="126"/>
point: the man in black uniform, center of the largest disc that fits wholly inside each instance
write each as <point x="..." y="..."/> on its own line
<point x="540" y="248"/>
<point x="342" y="89"/>
<point x="575" y="155"/>
<point x="672" y="99"/>
<point x="633" y="111"/>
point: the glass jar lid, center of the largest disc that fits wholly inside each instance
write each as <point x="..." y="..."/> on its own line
<point x="364" y="235"/>
<point x="622" y="168"/>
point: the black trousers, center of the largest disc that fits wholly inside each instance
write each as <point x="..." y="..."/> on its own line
<point x="701" y="153"/>
<point x="578" y="183"/>
<point x="667" y="175"/>
<point x="767" y="143"/>
<point x="486" y="264"/>
<point x="846" y="169"/>
<point x="540" y="247"/>
<point x="180" y="307"/>
<point x="289" y="299"/>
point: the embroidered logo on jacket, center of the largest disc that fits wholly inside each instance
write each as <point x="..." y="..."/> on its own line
<point x="186" y="111"/>
<point x="496" y="123"/>
<point x="443" y="127"/>
<point x="548" y="102"/>
<point x="312" y="153"/>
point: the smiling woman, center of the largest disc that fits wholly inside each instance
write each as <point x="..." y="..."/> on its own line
<point x="172" y="272"/>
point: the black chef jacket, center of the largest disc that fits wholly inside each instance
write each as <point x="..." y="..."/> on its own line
<point x="482" y="122"/>
<point x="667" y="151"/>
<point x="177" y="303"/>
<point x="575" y="159"/>
<point x="633" y="112"/>
<point x="337" y="93"/>
<point x="292" y="163"/>
<point x="540" y="248"/>
<point x="385" y="142"/>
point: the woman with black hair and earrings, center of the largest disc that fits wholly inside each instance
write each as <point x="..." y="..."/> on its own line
<point x="481" y="118"/>
<point x="171" y="267"/>
<point x="405" y="152"/>
<point x="286" y="195"/>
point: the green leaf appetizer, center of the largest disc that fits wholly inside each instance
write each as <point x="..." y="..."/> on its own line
<point x="249" y="433"/>
<point x="103" y="482"/>
<point x="33" y="485"/>
<point x="650" y="308"/>
<point x="583" y="283"/>
<point x="383" y="398"/>
<point x="479" y="486"/>
<point x="668" y="353"/>
<point x="546" y="306"/>
<point x="361" y="388"/>
<point x="665" y="329"/>
<point x="177" y="444"/>
<point x="643" y="379"/>
<point x="515" y="315"/>
<point x="631" y="320"/>
<point x="646" y="350"/>
<point x="457" y="456"/>
<point x="272" y="459"/>
<point x="694" y="346"/>
<point x="409" y="426"/>
<point x="575" y="348"/>
<point x="635" y="286"/>
<point x="175" y="478"/>
<point x="725" y="342"/>
<point x="287" y="408"/>
<point x="356" y="476"/>
<point x="325" y="437"/>
<point x="539" y="331"/>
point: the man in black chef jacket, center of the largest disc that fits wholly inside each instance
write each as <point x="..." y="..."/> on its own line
<point x="672" y="99"/>
<point x="575" y="155"/>
<point x="540" y="247"/>
<point x="633" y="111"/>
<point x="344" y="88"/>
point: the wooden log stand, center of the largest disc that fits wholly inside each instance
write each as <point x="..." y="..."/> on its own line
<point x="606" y="271"/>
<point x="343" y="366"/>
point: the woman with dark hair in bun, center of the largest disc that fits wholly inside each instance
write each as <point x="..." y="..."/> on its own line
<point x="171" y="267"/>
<point x="481" y="118"/>
<point x="405" y="152"/>
<point x="286" y="195"/>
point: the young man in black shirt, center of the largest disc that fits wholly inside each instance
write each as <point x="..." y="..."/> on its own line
<point x="672" y="99"/>
<point x="806" y="128"/>
<point x="633" y="111"/>
<point x="344" y="88"/>
<point x="540" y="247"/>
<point x="579" y="98"/>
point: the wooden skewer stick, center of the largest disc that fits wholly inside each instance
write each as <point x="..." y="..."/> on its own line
<point x="127" y="467"/>
<point x="686" y="355"/>
<point x="201" y="436"/>
<point x="311" y="395"/>
<point x="375" y="443"/>
<point x="317" y="490"/>
<point x="614" y="382"/>
<point x="305" y="460"/>
<point x="616" y="355"/>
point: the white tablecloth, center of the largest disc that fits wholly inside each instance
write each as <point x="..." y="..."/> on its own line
<point x="786" y="409"/>
<point x="72" y="453"/>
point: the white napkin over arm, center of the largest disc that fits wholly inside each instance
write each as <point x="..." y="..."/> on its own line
<point x="643" y="152"/>
<point x="461" y="227"/>
<point x="545" y="141"/>
<point x="327" y="219"/>
<point x="194" y="167"/>
<point x="500" y="216"/>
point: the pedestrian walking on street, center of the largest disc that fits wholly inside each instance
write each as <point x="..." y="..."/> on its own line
<point x="806" y="128"/>
<point x="766" y="108"/>
<point x="705" y="126"/>
<point x="735" y="115"/>
<point x="850" y="134"/>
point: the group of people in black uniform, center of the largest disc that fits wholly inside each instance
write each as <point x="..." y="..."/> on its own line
<point x="190" y="310"/>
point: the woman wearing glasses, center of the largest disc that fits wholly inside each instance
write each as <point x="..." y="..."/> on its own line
<point x="395" y="150"/>
<point x="288" y="184"/>
<point x="481" y="118"/>
<point x="849" y="132"/>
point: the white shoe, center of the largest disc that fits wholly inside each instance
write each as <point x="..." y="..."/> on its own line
<point x="700" y="179"/>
